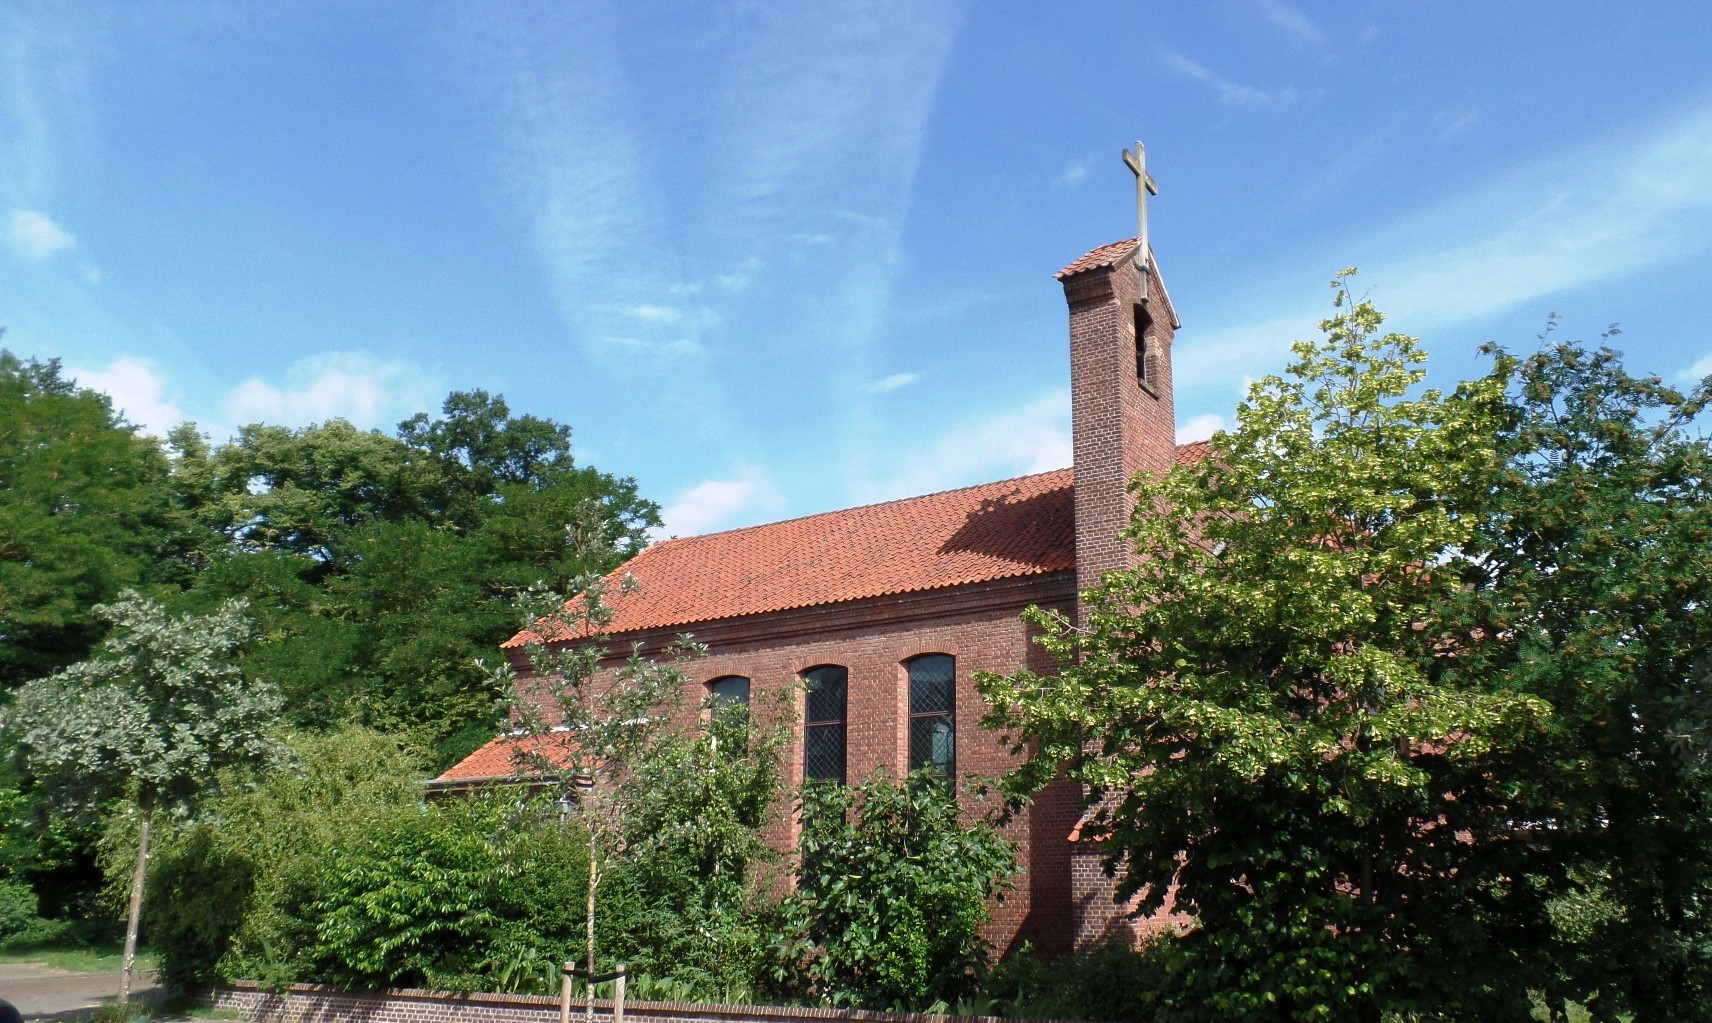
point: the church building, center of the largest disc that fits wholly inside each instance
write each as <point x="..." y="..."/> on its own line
<point x="878" y="617"/>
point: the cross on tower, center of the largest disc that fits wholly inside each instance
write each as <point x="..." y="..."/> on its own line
<point x="1144" y="187"/>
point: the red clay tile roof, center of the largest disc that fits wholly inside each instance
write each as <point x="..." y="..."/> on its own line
<point x="1194" y="451"/>
<point x="1105" y="255"/>
<point x="1004" y="530"/>
<point x="499" y="757"/>
<point x="1110" y="255"/>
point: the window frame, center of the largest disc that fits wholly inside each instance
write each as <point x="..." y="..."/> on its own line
<point x="948" y="713"/>
<point x="717" y="698"/>
<point x="813" y="677"/>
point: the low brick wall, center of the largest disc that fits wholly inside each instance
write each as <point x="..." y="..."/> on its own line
<point x="316" y="1003"/>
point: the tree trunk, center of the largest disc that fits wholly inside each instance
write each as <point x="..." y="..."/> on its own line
<point x="145" y="803"/>
<point x="593" y="883"/>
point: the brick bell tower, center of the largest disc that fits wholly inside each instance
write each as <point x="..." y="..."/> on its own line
<point x="1122" y="416"/>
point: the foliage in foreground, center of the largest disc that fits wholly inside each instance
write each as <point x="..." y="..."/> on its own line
<point x="1406" y="696"/>
<point x="892" y="891"/>
<point x="160" y="709"/>
<point x="231" y="886"/>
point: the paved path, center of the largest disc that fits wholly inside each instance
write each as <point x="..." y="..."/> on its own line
<point x="44" y="993"/>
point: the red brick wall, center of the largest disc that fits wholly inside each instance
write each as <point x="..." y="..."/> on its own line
<point x="979" y="626"/>
<point x="1120" y="427"/>
<point x="314" y="1003"/>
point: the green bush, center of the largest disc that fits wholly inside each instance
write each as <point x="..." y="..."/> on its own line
<point x="892" y="891"/>
<point x="690" y="905"/>
<point x="1109" y="981"/>
<point x="413" y="905"/>
<point x="17" y="909"/>
<point x="228" y="892"/>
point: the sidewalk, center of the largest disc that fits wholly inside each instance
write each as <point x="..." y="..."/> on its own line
<point x="44" y="993"/>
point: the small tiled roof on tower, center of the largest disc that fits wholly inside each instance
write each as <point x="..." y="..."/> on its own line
<point x="1004" y="530"/>
<point x="1111" y="255"/>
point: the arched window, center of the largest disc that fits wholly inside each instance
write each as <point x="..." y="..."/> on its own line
<point x="1143" y="357"/>
<point x="933" y="714"/>
<point x="732" y="689"/>
<point x="823" y="723"/>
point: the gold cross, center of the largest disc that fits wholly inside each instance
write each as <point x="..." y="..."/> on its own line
<point x="1137" y="162"/>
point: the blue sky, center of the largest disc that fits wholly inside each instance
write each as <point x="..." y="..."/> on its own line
<point x="775" y="258"/>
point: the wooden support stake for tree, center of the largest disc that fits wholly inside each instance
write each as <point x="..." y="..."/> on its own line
<point x="565" y="989"/>
<point x="618" y="994"/>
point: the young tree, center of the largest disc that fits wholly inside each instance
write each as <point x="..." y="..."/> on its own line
<point x="1258" y="710"/>
<point x="152" y="716"/>
<point x="587" y="728"/>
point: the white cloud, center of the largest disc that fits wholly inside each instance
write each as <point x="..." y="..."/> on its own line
<point x="1231" y="93"/>
<point x="1201" y="427"/>
<point x="1695" y="373"/>
<point x="1073" y="175"/>
<point x="746" y="496"/>
<point x="893" y="382"/>
<point x="658" y="313"/>
<point x="1296" y="26"/>
<point x="138" y="391"/>
<point x="35" y="237"/>
<point x="367" y="391"/>
<point x="1613" y="208"/>
<point x="1030" y="439"/>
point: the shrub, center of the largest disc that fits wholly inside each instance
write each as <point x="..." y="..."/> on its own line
<point x="1108" y="981"/>
<point x="229" y="890"/>
<point x="17" y="909"/>
<point x="892" y="891"/>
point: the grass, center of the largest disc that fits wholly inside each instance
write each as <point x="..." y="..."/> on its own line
<point x="76" y="958"/>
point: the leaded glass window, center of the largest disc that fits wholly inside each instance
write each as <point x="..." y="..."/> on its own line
<point x="933" y="714"/>
<point x="732" y="689"/>
<point x="823" y="723"/>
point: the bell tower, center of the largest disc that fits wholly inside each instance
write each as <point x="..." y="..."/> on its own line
<point x="1123" y="419"/>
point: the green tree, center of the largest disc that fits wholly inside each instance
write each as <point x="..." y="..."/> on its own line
<point x="1591" y="586"/>
<point x="1261" y="712"/>
<point x="381" y="567"/>
<point x="86" y="510"/>
<point x="161" y="707"/>
<point x="892" y="890"/>
<point x="588" y="726"/>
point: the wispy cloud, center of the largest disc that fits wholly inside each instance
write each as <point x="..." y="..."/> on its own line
<point x="35" y="237"/>
<point x="1074" y="174"/>
<point x="367" y="391"/>
<point x="1032" y="438"/>
<point x="1610" y="208"/>
<point x="1232" y="93"/>
<point x="1201" y="427"/>
<point x="893" y="382"/>
<point x="1451" y="123"/>
<point x="138" y="391"/>
<point x="1296" y="26"/>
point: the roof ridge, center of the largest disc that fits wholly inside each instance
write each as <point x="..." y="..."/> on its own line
<point x="862" y="507"/>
